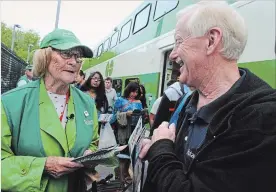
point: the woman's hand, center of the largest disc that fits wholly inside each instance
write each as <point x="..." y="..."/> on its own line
<point x="129" y="113"/>
<point x="86" y="152"/>
<point x="58" y="166"/>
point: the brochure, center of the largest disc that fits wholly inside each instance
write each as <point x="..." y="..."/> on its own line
<point x="105" y="156"/>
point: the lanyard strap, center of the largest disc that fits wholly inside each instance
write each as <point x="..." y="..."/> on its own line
<point x="66" y="103"/>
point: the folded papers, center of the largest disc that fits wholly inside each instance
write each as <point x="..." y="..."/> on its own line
<point x="105" y="156"/>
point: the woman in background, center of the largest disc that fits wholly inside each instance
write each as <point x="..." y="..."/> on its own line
<point x="94" y="86"/>
<point x="123" y="109"/>
<point x="142" y="94"/>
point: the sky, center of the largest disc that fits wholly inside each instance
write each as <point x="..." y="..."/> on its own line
<point x="91" y="21"/>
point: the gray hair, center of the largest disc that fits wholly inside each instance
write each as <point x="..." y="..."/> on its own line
<point x="207" y="14"/>
<point x="41" y="60"/>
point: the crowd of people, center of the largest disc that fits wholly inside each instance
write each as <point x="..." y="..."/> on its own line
<point x="107" y="101"/>
<point x="214" y="130"/>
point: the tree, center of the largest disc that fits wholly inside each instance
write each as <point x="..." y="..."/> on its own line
<point x="23" y="39"/>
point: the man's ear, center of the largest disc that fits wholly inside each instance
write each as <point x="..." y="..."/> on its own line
<point x="214" y="37"/>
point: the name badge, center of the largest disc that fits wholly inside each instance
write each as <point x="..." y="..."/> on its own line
<point x="86" y="114"/>
<point x="88" y="122"/>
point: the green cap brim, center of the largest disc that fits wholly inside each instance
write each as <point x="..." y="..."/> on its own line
<point x="87" y="52"/>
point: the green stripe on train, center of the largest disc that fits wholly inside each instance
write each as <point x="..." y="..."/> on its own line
<point x="88" y="63"/>
<point x="266" y="70"/>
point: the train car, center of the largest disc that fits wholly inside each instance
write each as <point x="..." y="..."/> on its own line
<point x="138" y="49"/>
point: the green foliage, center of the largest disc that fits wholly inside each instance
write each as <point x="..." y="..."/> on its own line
<point x="22" y="41"/>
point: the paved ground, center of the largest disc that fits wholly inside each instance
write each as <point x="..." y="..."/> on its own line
<point x="104" y="171"/>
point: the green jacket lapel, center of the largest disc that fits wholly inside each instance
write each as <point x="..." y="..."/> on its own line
<point x="71" y="124"/>
<point x="49" y="120"/>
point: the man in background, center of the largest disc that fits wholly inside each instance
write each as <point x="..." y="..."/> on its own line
<point x="156" y="104"/>
<point x="80" y="80"/>
<point x="28" y="77"/>
<point x="110" y="92"/>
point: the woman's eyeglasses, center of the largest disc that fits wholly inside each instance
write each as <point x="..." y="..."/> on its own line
<point x="69" y="53"/>
<point x="96" y="79"/>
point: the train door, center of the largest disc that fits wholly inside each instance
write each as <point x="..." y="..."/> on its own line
<point x="117" y="85"/>
<point x="170" y="71"/>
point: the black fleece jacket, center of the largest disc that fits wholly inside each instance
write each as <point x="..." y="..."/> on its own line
<point x="238" y="154"/>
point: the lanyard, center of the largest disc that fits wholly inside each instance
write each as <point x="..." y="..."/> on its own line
<point x="66" y="102"/>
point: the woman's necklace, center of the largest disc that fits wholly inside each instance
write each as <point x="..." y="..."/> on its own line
<point x="92" y="94"/>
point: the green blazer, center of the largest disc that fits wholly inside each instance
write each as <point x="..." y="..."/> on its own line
<point x="31" y="131"/>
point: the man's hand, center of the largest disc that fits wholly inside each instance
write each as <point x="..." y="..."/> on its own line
<point x="164" y="131"/>
<point x="146" y="144"/>
<point x="58" y="166"/>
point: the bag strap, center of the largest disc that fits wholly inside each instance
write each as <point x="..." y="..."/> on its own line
<point x="174" y="117"/>
<point x="182" y="88"/>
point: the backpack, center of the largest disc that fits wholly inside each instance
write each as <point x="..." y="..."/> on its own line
<point x="184" y="90"/>
<point x="175" y="115"/>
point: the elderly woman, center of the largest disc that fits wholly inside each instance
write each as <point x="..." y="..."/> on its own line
<point x="48" y="122"/>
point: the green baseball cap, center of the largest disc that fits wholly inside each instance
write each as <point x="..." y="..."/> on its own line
<point x="28" y="67"/>
<point x="62" y="39"/>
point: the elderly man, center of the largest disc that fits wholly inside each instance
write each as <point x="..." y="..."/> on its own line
<point x="25" y="79"/>
<point x="225" y="137"/>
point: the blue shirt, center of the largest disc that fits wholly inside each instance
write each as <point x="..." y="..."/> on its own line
<point x="124" y="105"/>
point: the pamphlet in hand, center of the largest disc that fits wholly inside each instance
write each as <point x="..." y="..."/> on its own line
<point x="105" y="117"/>
<point x="105" y="156"/>
<point x="137" y="165"/>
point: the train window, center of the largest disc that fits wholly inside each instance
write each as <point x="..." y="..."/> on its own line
<point x="106" y="45"/>
<point x="164" y="7"/>
<point x="117" y="85"/>
<point x="141" y="19"/>
<point x="127" y="81"/>
<point x="114" y="39"/>
<point x="100" y="49"/>
<point x="125" y="31"/>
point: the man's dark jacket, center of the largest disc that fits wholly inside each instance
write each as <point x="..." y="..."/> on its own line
<point x="238" y="154"/>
